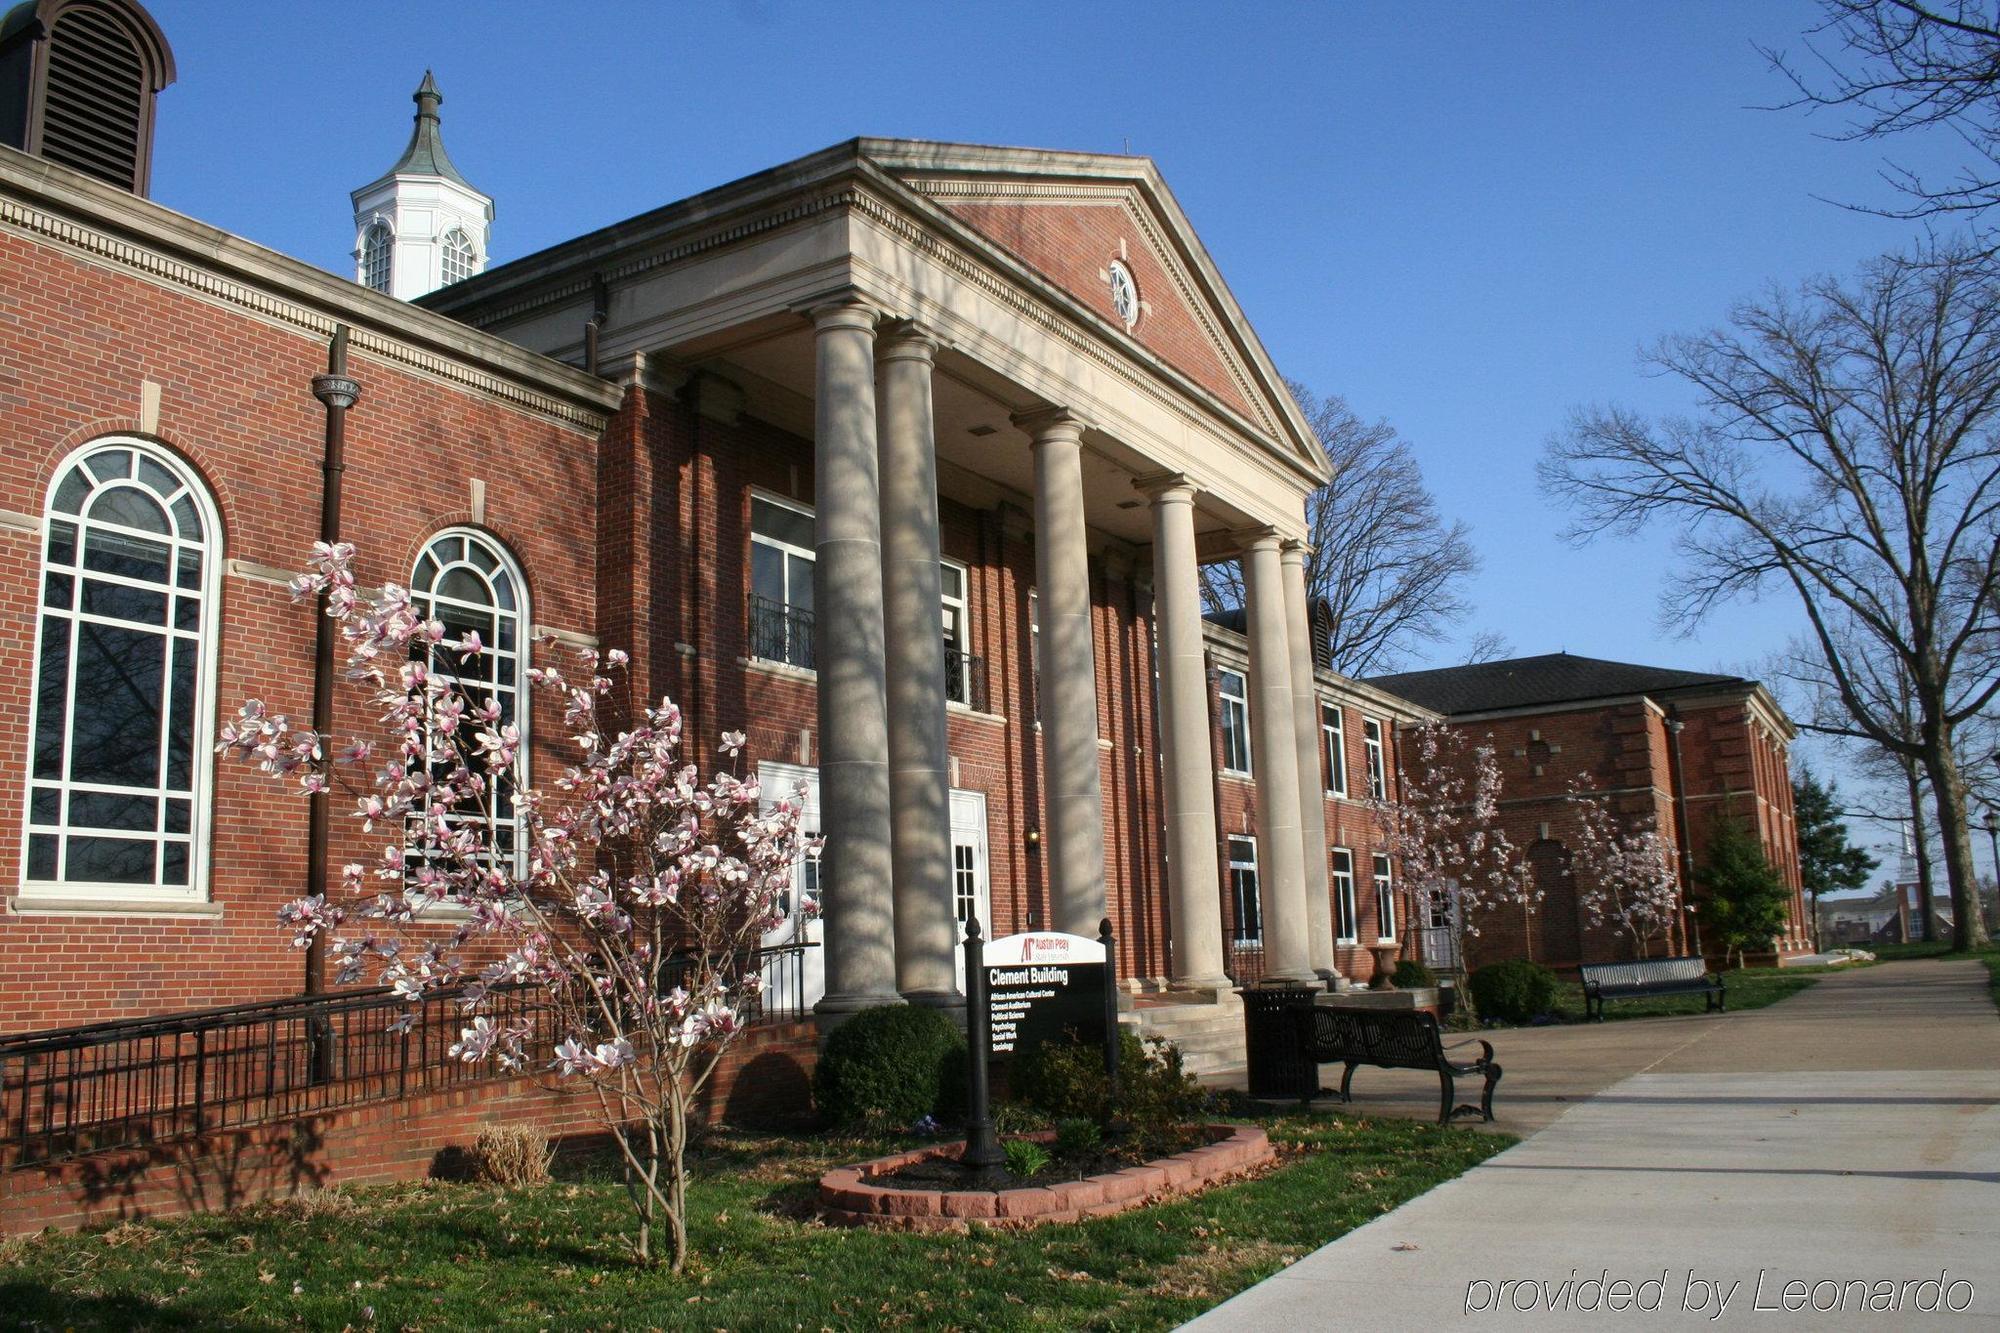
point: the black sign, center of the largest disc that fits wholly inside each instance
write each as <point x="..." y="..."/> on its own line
<point x="1044" y="986"/>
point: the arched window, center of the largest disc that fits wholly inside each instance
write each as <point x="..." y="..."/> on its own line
<point x="470" y="582"/>
<point x="458" y="256"/>
<point x="123" y="674"/>
<point x="375" y="244"/>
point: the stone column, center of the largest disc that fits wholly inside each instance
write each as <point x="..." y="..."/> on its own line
<point x="1312" y="786"/>
<point x="1074" y="840"/>
<point x="1187" y="765"/>
<point x="1280" y="862"/>
<point x="919" y="759"/>
<point x="856" y="870"/>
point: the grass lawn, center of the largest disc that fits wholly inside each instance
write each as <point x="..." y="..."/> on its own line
<point x="456" y="1256"/>
<point x="1748" y="988"/>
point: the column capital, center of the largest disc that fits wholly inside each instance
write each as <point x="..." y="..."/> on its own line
<point x="1295" y="551"/>
<point x="1257" y="539"/>
<point x="843" y="309"/>
<point x="1050" y="424"/>
<point x="1165" y="487"/>
<point x="905" y="340"/>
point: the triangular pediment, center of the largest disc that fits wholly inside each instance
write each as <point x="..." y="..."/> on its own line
<point x="1070" y="217"/>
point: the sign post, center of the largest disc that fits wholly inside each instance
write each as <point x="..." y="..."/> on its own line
<point x="982" y="1146"/>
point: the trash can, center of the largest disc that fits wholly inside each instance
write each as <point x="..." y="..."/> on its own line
<point x="1273" y="1040"/>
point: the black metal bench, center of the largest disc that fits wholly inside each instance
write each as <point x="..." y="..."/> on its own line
<point x="1358" y="1037"/>
<point x="1649" y="976"/>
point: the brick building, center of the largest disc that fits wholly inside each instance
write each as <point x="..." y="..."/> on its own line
<point x="1673" y="750"/>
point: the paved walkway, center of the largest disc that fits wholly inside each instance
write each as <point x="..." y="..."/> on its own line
<point x="1851" y="1132"/>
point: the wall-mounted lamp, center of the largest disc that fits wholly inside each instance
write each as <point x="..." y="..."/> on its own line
<point x="1034" y="838"/>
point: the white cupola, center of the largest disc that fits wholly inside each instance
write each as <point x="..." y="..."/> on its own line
<point x="420" y="226"/>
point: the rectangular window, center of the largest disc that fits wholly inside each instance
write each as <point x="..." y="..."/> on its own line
<point x="954" y="589"/>
<point x="964" y="880"/>
<point x="1035" y="651"/>
<point x="1385" y="901"/>
<point x="1333" y="748"/>
<point x="781" y="581"/>
<point x="1347" y="921"/>
<point x="1235" y="722"/>
<point x="1371" y="740"/>
<point x="1249" y="922"/>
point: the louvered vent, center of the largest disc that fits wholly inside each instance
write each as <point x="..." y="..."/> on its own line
<point x="94" y="110"/>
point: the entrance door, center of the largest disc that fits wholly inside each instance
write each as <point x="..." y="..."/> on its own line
<point x="795" y="981"/>
<point x="970" y="891"/>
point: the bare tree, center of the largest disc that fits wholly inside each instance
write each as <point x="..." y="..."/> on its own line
<point x="1845" y="448"/>
<point x="1388" y="570"/>
<point x="1895" y="67"/>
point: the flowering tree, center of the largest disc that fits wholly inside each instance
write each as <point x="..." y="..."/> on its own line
<point x="627" y="915"/>
<point x="1623" y="875"/>
<point x="1457" y="863"/>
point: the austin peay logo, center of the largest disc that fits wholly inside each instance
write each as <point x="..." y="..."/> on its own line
<point x="1043" y="948"/>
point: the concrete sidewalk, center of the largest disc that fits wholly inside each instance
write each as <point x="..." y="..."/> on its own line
<point x="1850" y="1132"/>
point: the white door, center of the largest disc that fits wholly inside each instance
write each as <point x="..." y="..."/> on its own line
<point x="795" y="981"/>
<point x="971" y="893"/>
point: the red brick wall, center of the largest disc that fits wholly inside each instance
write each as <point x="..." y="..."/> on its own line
<point x="764" y="1077"/>
<point x="236" y="403"/>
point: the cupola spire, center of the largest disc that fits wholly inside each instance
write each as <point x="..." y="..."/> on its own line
<point x="421" y="225"/>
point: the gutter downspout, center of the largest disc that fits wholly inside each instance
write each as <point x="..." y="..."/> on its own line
<point x="1677" y="791"/>
<point x="338" y="393"/>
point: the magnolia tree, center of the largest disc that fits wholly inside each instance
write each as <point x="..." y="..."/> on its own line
<point x="1456" y="862"/>
<point x="626" y="917"/>
<point x="1624" y="876"/>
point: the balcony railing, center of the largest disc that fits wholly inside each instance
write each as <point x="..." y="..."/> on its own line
<point x="965" y="678"/>
<point x="780" y="632"/>
<point x="133" y="1082"/>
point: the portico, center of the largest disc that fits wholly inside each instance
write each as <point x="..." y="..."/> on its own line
<point x="1034" y="334"/>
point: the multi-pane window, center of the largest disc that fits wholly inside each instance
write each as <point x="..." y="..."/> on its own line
<point x="964" y="880"/>
<point x="1249" y="917"/>
<point x="953" y="584"/>
<point x="466" y="580"/>
<point x="1371" y="742"/>
<point x="781" y="581"/>
<point x="1333" y="749"/>
<point x="459" y="260"/>
<point x="1385" y="900"/>
<point x="375" y="246"/>
<point x="1235" y="694"/>
<point x="1035" y="649"/>
<point x="122" y="664"/>
<point x="1347" y="921"/>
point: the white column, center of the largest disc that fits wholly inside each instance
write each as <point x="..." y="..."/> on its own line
<point x="1312" y="786"/>
<point x="1074" y="839"/>
<point x="1280" y="864"/>
<point x="853" y="731"/>
<point x="919" y="758"/>
<point x="1187" y="764"/>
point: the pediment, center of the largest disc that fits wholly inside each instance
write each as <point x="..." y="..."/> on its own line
<point x="1069" y="217"/>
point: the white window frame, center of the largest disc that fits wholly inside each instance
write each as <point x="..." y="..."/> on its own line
<point x="1333" y="746"/>
<point x="1035" y="652"/>
<point x="1346" y="908"/>
<point x="206" y="635"/>
<point x="785" y="548"/>
<point x="1238" y="704"/>
<point x="1385" y="899"/>
<point x="378" y="229"/>
<point x="523" y="633"/>
<point x="1236" y="899"/>
<point x="453" y="236"/>
<point x="955" y="620"/>
<point x="1371" y="743"/>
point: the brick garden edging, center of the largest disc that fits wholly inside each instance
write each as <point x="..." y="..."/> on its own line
<point x="847" y="1199"/>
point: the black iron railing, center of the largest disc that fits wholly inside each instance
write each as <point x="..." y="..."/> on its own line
<point x="780" y="632"/>
<point x="1243" y="960"/>
<point x="965" y="678"/>
<point x="133" y="1082"/>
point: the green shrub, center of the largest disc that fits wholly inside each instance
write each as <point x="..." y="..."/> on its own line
<point x="1065" y="1081"/>
<point x="1411" y="974"/>
<point x="1515" y="991"/>
<point x="894" y="1064"/>
<point x="1024" y="1156"/>
<point x="1078" y="1139"/>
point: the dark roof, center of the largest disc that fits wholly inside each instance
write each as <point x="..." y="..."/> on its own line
<point x="425" y="155"/>
<point x="1525" y="682"/>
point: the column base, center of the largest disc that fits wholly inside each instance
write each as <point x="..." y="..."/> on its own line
<point x="1218" y="984"/>
<point x="935" y="999"/>
<point x="1304" y="976"/>
<point x="833" y="1010"/>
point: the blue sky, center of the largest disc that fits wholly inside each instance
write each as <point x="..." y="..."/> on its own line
<point x="1463" y="217"/>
